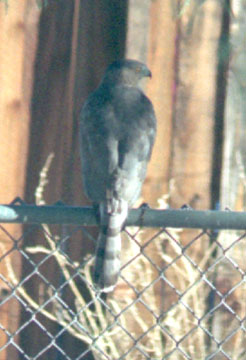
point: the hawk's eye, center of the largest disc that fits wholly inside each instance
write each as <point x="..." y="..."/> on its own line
<point x="138" y="69"/>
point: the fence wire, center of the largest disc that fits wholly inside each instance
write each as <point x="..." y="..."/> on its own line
<point x="181" y="292"/>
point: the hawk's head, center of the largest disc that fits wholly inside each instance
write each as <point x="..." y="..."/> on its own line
<point x="126" y="72"/>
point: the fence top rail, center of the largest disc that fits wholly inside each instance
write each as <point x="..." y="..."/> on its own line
<point x="146" y="217"/>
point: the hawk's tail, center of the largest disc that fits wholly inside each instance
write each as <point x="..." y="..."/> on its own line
<point x="107" y="263"/>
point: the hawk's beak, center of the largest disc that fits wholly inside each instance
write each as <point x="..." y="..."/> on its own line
<point x="148" y="73"/>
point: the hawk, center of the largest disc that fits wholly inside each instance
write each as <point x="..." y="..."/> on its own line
<point x="117" y="132"/>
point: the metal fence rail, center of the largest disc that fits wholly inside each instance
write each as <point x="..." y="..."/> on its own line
<point x="181" y="293"/>
<point x="145" y="217"/>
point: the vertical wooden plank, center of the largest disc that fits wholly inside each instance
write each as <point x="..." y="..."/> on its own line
<point x="18" y="29"/>
<point x="233" y="186"/>
<point x="161" y="56"/>
<point x="193" y="123"/>
<point x="14" y="121"/>
<point x="233" y="180"/>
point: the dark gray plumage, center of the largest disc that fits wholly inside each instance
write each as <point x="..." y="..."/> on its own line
<point x="117" y="132"/>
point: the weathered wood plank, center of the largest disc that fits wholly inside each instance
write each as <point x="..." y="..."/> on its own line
<point x="161" y="55"/>
<point x="18" y="32"/>
<point x="194" y="104"/>
<point x="233" y="184"/>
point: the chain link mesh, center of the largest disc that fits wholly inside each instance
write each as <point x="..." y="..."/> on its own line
<point x="181" y="295"/>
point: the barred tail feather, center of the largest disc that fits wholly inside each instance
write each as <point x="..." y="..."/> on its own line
<point x="107" y="263"/>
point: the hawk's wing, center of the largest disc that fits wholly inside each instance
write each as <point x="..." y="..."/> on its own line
<point x="117" y="135"/>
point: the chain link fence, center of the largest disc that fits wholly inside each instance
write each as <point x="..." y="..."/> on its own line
<point x="181" y="293"/>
